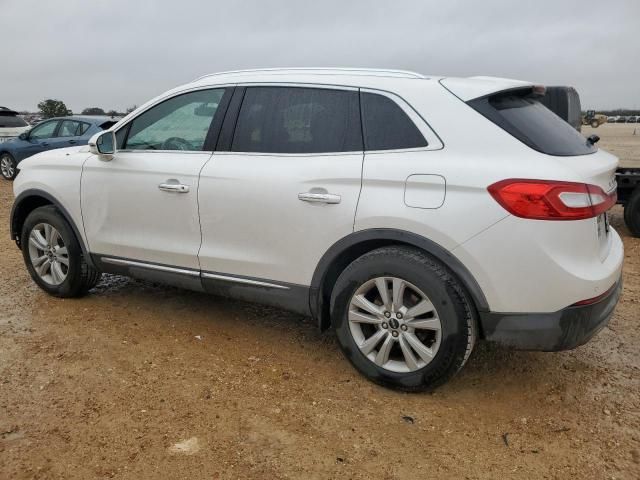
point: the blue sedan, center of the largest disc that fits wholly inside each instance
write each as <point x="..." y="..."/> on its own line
<point x="53" y="133"/>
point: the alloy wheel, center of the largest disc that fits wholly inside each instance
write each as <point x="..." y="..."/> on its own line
<point x="394" y="324"/>
<point x="48" y="254"/>
<point x="6" y="167"/>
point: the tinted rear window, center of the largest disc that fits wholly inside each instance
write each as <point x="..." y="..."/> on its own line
<point x="11" y="121"/>
<point x="524" y="117"/>
<point x="386" y="126"/>
<point x="298" y="120"/>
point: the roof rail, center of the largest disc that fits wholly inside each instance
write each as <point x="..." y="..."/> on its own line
<point x="335" y="71"/>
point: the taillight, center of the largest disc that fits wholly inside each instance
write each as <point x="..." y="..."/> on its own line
<point x="551" y="200"/>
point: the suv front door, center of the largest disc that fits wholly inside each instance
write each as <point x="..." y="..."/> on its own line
<point x="286" y="188"/>
<point x="140" y="210"/>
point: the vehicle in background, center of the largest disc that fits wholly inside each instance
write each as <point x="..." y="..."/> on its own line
<point x="48" y="135"/>
<point x="594" y="119"/>
<point x="627" y="179"/>
<point x="564" y="102"/>
<point x="413" y="214"/>
<point x="11" y="124"/>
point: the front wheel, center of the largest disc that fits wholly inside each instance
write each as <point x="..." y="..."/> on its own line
<point x="402" y="319"/>
<point x="595" y="123"/>
<point x="53" y="255"/>
<point x="8" y="166"/>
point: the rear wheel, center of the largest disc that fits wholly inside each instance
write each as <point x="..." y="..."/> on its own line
<point x="53" y="255"/>
<point x="8" y="166"/>
<point x="402" y="319"/>
<point x="632" y="213"/>
<point x="595" y="123"/>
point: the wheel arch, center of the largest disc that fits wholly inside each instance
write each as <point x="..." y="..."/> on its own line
<point x="346" y="250"/>
<point x="31" y="199"/>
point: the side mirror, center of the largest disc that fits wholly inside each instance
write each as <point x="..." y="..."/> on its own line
<point x="24" y="136"/>
<point x="103" y="144"/>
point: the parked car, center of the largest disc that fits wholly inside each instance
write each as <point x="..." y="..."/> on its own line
<point x="53" y="133"/>
<point x="11" y="124"/>
<point x="413" y="214"/>
<point x="612" y="119"/>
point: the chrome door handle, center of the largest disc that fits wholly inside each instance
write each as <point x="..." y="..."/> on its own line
<point x="319" y="197"/>
<point x="174" y="187"/>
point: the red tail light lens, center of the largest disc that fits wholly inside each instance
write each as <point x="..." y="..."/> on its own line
<point x="551" y="200"/>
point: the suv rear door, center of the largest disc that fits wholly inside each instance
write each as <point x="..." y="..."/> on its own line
<point x="282" y="186"/>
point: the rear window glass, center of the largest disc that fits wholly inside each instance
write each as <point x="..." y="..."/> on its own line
<point x="386" y="126"/>
<point x="11" y="121"/>
<point x="524" y="117"/>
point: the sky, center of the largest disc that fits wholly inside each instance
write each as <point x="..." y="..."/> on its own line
<point x="117" y="53"/>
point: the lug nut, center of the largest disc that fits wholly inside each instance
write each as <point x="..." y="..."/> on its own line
<point x="394" y="333"/>
<point x="404" y="328"/>
<point x="384" y="325"/>
<point x="398" y="315"/>
<point x="387" y="314"/>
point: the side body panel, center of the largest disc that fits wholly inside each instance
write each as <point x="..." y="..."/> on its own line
<point x="253" y="223"/>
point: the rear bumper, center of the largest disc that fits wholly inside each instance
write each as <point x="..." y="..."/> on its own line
<point x="562" y="330"/>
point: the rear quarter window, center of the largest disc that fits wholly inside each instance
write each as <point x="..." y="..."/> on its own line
<point x="387" y="126"/>
<point x="523" y="116"/>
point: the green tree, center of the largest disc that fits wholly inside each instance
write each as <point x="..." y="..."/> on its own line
<point x="131" y="109"/>
<point x="93" y="111"/>
<point x="53" y="108"/>
<point x="113" y="113"/>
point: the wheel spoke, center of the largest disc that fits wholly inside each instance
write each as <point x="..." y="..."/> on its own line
<point x="53" y="241"/>
<point x="38" y="261"/>
<point x="62" y="251"/>
<point x="63" y="260"/>
<point x="361" y="302"/>
<point x="56" y="273"/>
<point x="399" y="286"/>
<point x="409" y="357"/>
<point x="37" y="240"/>
<point x="427" y="324"/>
<point x="359" y="317"/>
<point x="383" y="354"/>
<point x="425" y="306"/>
<point x="370" y="343"/>
<point x="381" y="283"/>
<point x="44" y="267"/>
<point x="423" y="351"/>
<point x="47" y="233"/>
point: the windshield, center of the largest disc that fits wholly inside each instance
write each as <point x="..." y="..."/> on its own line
<point x="524" y="117"/>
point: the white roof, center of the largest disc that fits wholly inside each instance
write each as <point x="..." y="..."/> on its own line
<point x="465" y="88"/>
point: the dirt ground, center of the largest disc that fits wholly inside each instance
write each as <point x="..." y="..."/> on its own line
<point x="621" y="139"/>
<point x="137" y="381"/>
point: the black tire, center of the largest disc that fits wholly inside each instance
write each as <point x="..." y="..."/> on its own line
<point x="454" y="307"/>
<point x="80" y="276"/>
<point x="595" y="123"/>
<point x="632" y="213"/>
<point x="6" y="157"/>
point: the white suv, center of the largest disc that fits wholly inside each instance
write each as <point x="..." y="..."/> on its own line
<point x="412" y="214"/>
